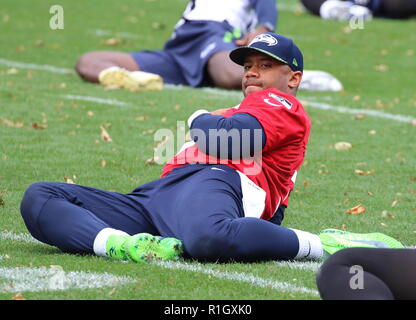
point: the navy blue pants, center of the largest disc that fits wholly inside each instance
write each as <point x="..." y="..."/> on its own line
<point x="200" y="205"/>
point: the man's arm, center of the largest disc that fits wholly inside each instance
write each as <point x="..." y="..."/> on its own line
<point x="235" y="137"/>
<point x="266" y="12"/>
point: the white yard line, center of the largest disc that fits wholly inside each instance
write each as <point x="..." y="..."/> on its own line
<point x="95" y="99"/>
<point x="302" y="265"/>
<point x="33" y="66"/>
<point x="55" y="278"/>
<point x="373" y="113"/>
<point x="229" y="93"/>
<point x="24" y="237"/>
<point x="237" y="276"/>
<point x="101" y="32"/>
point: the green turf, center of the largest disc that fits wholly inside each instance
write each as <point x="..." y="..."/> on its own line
<point x="374" y="64"/>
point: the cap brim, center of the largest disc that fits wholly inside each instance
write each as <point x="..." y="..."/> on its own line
<point x="239" y="55"/>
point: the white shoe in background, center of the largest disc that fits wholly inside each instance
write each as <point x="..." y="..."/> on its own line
<point x="119" y="78"/>
<point x="314" y="80"/>
<point x="344" y="11"/>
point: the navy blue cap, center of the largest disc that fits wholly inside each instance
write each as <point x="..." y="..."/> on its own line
<point x="274" y="45"/>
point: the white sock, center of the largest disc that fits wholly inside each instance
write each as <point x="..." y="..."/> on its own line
<point x="100" y="241"/>
<point x="310" y="246"/>
<point x="327" y="6"/>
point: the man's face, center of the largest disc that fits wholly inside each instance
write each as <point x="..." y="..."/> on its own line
<point x="263" y="72"/>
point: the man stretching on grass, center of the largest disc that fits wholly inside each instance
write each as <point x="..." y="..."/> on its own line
<point x="209" y="204"/>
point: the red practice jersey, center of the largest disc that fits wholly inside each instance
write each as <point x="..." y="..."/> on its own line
<point x="286" y="126"/>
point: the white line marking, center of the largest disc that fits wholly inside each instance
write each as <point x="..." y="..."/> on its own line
<point x="34" y="66"/>
<point x="24" y="237"/>
<point x="95" y="99"/>
<point x="237" y="276"/>
<point x="230" y="93"/>
<point x="55" y="278"/>
<point x="101" y="32"/>
<point x="302" y="265"/>
<point x="373" y="113"/>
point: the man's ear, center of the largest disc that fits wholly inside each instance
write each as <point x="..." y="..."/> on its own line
<point x="295" y="79"/>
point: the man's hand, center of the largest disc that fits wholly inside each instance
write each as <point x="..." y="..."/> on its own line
<point x="219" y="112"/>
<point x="250" y="36"/>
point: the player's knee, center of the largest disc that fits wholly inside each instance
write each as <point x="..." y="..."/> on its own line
<point x="208" y="246"/>
<point x="32" y="200"/>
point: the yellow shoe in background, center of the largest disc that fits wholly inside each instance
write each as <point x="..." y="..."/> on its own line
<point x="119" y="78"/>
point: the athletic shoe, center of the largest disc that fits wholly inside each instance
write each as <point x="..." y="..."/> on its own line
<point x="116" y="77"/>
<point x="344" y="11"/>
<point x="145" y="247"/>
<point x="315" y="80"/>
<point x="115" y="246"/>
<point x="334" y="240"/>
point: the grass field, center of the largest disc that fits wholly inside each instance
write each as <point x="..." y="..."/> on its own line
<point x="50" y="131"/>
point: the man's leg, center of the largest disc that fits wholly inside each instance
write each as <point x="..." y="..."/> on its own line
<point x="71" y="216"/>
<point x="206" y="213"/>
<point x="368" y="274"/>
<point x="398" y="8"/>
<point x="223" y="72"/>
<point x="92" y="63"/>
<point x="313" y="5"/>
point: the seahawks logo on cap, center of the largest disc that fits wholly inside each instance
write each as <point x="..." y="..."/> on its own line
<point x="267" y="38"/>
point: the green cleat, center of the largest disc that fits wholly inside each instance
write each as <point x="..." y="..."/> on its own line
<point x="146" y="247"/>
<point x="115" y="246"/>
<point x="334" y="240"/>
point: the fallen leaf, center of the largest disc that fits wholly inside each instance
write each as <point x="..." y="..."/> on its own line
<point x="356" y="210"/>
<point x="381" y="67"/>
<point x="104" y="135"/>
<point x="343" y="145"/>
<point x="37" y="126"/>
<point x="68" y="180"/>
<point x="364" y="173"/>
<point x="103" y="163"/>
<point x="387" y="215"/>
<point x="90" y="113"/>
<point x="18" y="296"/>
<point x="142" y="118"/>
<point x="112" y="291"/>
<point x="10" y="123"/>
<point x="394" y="203"/>
<point x="39" y="43"/>
<point x="12" y="71"/>
<point x="112" y="42"/>
<point x="373" y="132"/>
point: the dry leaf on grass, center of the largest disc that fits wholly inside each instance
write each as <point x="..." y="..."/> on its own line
<point x="356" y="210"/>
<point x="343" y="145"/>
<point x="68" y="180"/>
<point x="104" y="135"/>
<point x="112" y="42"/>
<point x="38" y="126"/>
<point x="10" y="123"/>
<point x="18" y="296"/>
<point x="364" y="173"/>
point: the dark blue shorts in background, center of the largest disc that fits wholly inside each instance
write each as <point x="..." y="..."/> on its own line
<point x="184" y="57"/>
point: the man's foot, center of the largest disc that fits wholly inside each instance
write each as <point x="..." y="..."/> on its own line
<point x="143" y="247"/>
<point x="344" y="11"/>
<point x="315" y="80"/>
<point x="334" y="240"/>
<point x="116" y="78"/>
